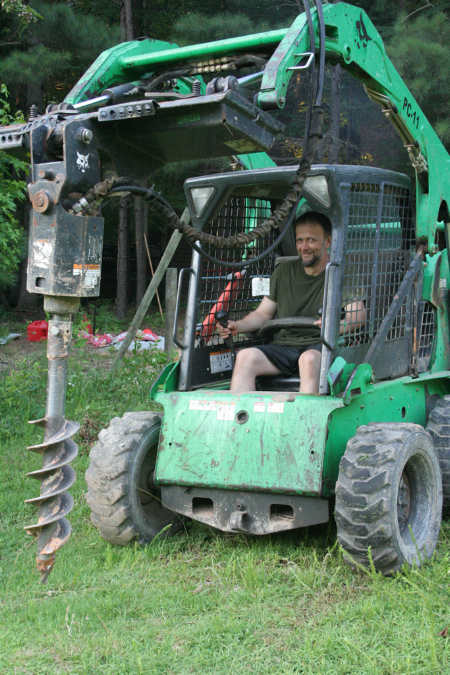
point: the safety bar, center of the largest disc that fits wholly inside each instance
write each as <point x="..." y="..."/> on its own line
<point x="327" y="344"/>
<point x="175" y="321"/>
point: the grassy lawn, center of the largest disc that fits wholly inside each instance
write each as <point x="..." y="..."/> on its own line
<point x="202" y="602"/>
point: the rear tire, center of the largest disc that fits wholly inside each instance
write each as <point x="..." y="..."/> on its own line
<point x="125" y="503"/>
<point x="389" y="483"/>
<point x="439" y="429"/>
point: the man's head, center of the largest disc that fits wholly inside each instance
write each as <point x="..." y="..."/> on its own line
<point x="312" y="239"/>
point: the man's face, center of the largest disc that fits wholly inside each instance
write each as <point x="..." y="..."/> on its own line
<point x="311" y="244"/>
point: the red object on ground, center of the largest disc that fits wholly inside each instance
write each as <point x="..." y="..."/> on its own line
<point x="87" y="325"/>
<point x="224" y="302"/>
<point x="151" y="334"/>
<point x="38" y="330"/>
<point x="99" y="340"/>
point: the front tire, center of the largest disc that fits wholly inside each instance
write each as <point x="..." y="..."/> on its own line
<point x="124" y="501"/>
<point x="389" y="497"/>
<point x="439" y="429"/>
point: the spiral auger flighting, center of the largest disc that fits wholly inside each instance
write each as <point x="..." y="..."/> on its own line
<point x="52" y="529"/>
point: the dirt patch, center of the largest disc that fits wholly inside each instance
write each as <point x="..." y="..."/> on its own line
<point x="19" y="350"/>
<point x="89" y="430"/>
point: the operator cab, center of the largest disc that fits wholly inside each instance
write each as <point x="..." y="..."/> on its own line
<point x="373" y="243"/>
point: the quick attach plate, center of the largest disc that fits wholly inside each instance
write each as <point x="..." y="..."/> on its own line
<point x="219" y="125"/>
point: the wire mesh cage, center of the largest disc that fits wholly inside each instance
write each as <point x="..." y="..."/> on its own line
<point x="379" y="248"/>
<point x="221" y="288"/>
<point x="372" y="246"/>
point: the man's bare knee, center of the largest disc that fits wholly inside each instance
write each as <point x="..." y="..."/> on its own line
<point x="247" y="358"/>
<point x="309" y="368"/>
<point x="249" y="364"/>
<point x="309" y="360"/>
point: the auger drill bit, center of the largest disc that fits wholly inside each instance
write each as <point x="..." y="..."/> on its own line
<point x="52" y="530"/>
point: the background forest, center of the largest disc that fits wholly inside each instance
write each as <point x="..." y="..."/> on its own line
<point x="46" y="46"/>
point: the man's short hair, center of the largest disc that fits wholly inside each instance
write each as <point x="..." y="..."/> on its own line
<point x="315" y="218"/>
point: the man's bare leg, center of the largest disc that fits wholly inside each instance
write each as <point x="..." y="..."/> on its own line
<point x="250" y="363"/>
<point x="309" y="367"/>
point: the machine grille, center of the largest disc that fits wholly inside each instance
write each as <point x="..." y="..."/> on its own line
<point x="379" y="248"/>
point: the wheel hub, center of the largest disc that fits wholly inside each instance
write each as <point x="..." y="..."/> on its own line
<point x="403" y="501"/>
<point x="151" y="481"/>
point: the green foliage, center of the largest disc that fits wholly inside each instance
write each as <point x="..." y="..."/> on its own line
<point x="56" y="49"/>
<point x="195" y="28"/>
<point x="12" y="243"/>
<point x="420" y="51"/>
<point x="91" y="392"/>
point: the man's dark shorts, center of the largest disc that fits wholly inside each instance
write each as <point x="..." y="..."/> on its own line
<point x="285" y="357"/>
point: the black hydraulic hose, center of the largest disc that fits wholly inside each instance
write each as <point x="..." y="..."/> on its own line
<point x="153" y="197"/>
<point x="321" y="76"/>
<point x="312" y="49"/>
<point x="252" y="261"/>
<point x="167" y="76"/>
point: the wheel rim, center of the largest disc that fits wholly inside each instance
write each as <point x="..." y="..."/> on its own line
<point x="415" y="508"/>
<point x="403" y="501"/>
<point x="145" y="494"/>
<point x="149" y="495"/>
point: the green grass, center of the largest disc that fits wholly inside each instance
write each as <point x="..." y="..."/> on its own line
<point x="202" y="602"/>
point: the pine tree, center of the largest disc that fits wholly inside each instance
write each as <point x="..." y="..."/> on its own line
<point x="420" y="51"/>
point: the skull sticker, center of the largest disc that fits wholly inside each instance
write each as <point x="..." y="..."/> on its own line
<point x="82" y="161"/>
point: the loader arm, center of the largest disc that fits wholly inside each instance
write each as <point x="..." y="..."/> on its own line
<point x="353" y="42"/>
<point x="350" y="40"/>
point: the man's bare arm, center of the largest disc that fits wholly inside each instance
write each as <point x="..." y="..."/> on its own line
<point x="252" y="322"/>
<point x="355" y="316"/>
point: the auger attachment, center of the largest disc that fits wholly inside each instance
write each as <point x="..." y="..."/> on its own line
<point x="52" y="530"/>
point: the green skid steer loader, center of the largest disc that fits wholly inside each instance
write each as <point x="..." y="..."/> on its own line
<point x="376" y="439"/>
<point x="272" y="460"/>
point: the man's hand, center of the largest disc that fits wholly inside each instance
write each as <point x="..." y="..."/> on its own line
<point x="230" y="329"/>
<point x="252" y="322"/>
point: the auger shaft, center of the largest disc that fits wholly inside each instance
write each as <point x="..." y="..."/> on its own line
<point x="58" y="449"/>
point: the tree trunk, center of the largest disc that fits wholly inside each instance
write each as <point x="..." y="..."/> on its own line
<point x="35" y="90"/>
<point x="3" y="299"/>
<point x="126" y="25"/>
<point x="122" y="260"/>
<point x="126" y="20"/>
<point x="141" y="228"/>
<point x="145" y="17"/>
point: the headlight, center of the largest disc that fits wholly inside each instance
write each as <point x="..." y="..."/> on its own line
<point x="200" y="197"/>
<point x="318" y="186"/>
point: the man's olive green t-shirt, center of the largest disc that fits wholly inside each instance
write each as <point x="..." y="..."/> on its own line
<point x="296" y="294"/>
<point x="299" y="294"/>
